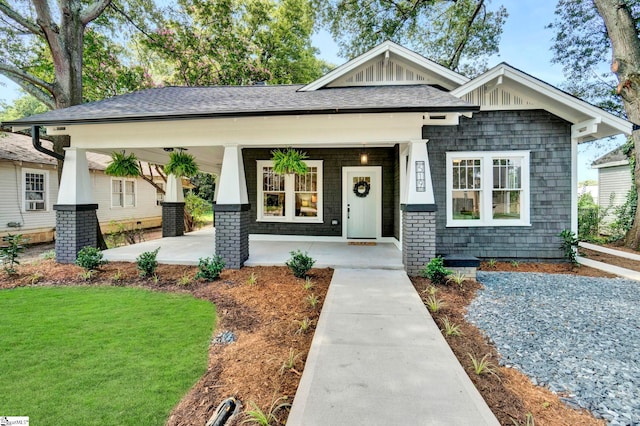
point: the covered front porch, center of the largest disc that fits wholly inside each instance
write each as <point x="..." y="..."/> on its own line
<point x="187" y="249"/>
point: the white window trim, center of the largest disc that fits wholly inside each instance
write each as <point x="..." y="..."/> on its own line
<point x="289" y="195"/>
<point x="24" y="189"/>
<point x="486" y="216"/>
<point x="124" y="189"/>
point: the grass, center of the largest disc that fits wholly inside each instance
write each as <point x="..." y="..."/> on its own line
<point x="100" y="355"/>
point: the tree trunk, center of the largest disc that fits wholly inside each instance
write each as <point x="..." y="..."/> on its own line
<point x="622" y="32"/>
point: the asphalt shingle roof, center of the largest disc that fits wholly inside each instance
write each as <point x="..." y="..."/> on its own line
<point x="611" y="156"/>
<point x="170" y="103"/>
<point x="16" y="147"/>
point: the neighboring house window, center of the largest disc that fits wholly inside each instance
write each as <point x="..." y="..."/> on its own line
<point x="35" y="189"/>
<point x="488" y="188"/>
<point x="290" y="198"/>
<point x="123" y="193"/>
<point x="160" y="195"/>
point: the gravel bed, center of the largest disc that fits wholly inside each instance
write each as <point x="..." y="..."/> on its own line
<point x="578" y="336"/>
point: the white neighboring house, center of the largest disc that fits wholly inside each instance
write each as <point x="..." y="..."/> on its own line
<point x="614" y="180"/>
<point x="29" y="189"/>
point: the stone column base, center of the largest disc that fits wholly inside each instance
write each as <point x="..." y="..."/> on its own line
<point x="172" y="219"/>
<point x="418" y="237"/>
<point x="232" y="233"/>
<point x="76" y="227"/>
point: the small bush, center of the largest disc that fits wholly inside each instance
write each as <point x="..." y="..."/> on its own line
<point x="10" y="253"/>
<point x="210" y="268"/>
<point x="300" y="263"/>
<point x="435" y="270"/>
<point x="90" y="258"/>
<point x="48" y="255"/>
<point x="569" y="245"/>
<point x="147" y="263"/>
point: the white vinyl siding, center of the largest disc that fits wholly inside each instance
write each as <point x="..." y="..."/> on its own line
<point x="488" y="188"/>
<point x="145" y="203"/>
<point x="12" y="208"/>
<point x="613" y="185"/>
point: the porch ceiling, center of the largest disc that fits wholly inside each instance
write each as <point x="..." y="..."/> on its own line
<point x="209" y="158"/>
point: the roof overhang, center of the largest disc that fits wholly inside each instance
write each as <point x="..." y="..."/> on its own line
<point x="589" y="121"/>
<point x="610" y="164"/>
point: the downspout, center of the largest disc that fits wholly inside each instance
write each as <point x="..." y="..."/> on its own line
<point x="35" y="138"/>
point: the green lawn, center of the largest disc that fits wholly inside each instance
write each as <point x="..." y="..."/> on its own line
<point x="99" y="355"/>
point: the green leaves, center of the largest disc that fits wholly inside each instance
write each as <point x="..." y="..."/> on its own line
<point x="289" y="161"/>
<point x="457" y="34"/>
<point x="123" y="165"/>
<point x="181" y="164"/>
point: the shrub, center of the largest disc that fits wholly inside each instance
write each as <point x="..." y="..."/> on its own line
<point x="435" y="270"/>
<point x="209" y="268"/>
<point x="90" y="258"/>
<point x="147" y="263"/>
<point x="300" y="263"/>
<point x="569" y="245"/>
<point x="10" y="253"/>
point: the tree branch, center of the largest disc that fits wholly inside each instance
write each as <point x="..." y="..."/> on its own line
<point x="93" y="11"/>
<point x="31" y="26"/>
<point x="128" y="18"/>
<point x="455" y="58"/>
<point x="150" y="179"/>
<point x="13" y="71"/>
<point x="34" y="91"/>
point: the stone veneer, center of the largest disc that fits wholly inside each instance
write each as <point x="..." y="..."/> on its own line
<point x="76" y="227"/>
<point x="418" y="239"/>
<point x="232" y="233"/>
<point x="172" y="219"/>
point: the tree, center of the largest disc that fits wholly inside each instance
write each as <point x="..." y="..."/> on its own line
<point x="587" y="32"/>
<point x="235" y="42"/>
<point x="49" y="51"/>
<point x="458" y="34"/>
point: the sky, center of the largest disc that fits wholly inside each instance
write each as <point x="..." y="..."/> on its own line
<point x="525" y="44"/>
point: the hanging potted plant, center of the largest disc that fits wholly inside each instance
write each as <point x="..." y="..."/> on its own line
<point x="289" y="161"/>
<point x="181" y="164"/>
<point x="123" y="165"/>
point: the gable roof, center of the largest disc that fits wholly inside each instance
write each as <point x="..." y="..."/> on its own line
<point x="615" y="157"/>
<point x="534" y="93"/>
<point x="442" y="76"/>
<point x="174" y="103"/>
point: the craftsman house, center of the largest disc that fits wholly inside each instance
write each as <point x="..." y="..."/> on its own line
<point x="29" y="191"/>
<point x="400" y="150"/>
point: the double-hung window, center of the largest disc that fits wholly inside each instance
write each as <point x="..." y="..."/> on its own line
<point x="35" y="183"/>
<point x="123" y="193"/>
<point x="291" y="197"/>
<point x="488" y="188"/>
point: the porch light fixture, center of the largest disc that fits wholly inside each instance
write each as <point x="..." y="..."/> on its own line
<point x="364" y="157"/>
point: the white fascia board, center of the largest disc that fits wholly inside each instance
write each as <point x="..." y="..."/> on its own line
<point x="611" y="164"/>
<point x="547" y="90"/>
<point x="387" y="46"/>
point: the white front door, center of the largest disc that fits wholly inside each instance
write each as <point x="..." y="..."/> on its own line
<point x="362" y="187"/>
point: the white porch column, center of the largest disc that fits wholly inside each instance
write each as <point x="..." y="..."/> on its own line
<point x="232" y="185"/>
<point x="418" y="186"/>
<point x="75" y="183"/>
<point x="173" y="193"/>
<point x="418" y="208"/>
<point x="574" y="185"/>
<point x="76" y="220"/>
<point x="232" y="210"/>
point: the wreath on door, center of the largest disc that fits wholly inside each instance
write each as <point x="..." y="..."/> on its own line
<point x="361" y="188"/>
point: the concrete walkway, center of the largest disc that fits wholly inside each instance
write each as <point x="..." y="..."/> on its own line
<point x="378" y="358"/>
<point x="612" y="269"/>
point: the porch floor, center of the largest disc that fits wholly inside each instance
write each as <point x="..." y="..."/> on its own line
<point x="186" y="250"/>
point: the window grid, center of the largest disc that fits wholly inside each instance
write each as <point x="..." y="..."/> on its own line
<point x="34" y="191"/>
